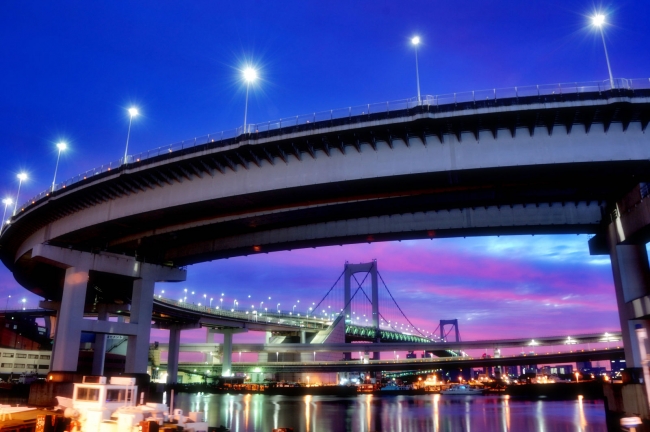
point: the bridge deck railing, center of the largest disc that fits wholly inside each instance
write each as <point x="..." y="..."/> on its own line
<point x="355" y="114"/>
<point x="290" y="320"/>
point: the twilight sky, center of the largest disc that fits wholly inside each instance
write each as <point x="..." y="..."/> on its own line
<point x="72" y="68"/>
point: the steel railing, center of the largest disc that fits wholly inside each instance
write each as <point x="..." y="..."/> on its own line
<point x="354" y="114"/>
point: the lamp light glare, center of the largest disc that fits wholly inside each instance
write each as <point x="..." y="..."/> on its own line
<point x="62" y="146"/>
<point x="415" y="40"/>
<point x="7" y="201"/>
<point x="598" y="20"/>
<point x="250" y="74"/>
<point x="22" y="176"/>
<point x="133" y="111"/>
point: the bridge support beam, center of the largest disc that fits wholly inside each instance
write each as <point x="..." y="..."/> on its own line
<point x="631" y="274"/>
<point x="68" y="330"/>
<point x="99" y="353"/>
<point x="70" y="319"/>
<point x="137" y="350"/>
<point x="172" y="355"/>
<point x="226" y="362"/>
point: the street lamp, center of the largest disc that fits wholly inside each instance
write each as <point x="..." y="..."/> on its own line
<point x="211" y="301"/>
<point x="278" y="307"/>
<point x="7" y="202"/>
<point x="23" y="301"/>
<point x="61" y="146"/>
<point x="598" y="20"/>
<point x="416" y="41"/>
<point x="132" y="113"/>
<point x="21" y="177"/>
<point x="7" y="304"/>
<point x="250" y="75"/>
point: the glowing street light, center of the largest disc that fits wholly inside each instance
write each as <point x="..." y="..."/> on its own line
<point x="7" y="202"/>
<point x="61" y="146"/>
<point x="21" y="177"/>
<point x="598" y="21"/>
<point x="133" y="112"/>
<point x="416" y="41"/>
<point x="7" y="303"/>
<point x="278" y="307"/>
<point x="250" y="75"/>
<point x="23" y="301"/>
<point x="211" y="301"/>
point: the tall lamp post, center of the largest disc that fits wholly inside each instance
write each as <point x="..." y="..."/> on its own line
<point x="132" y="113"/>
<point x="416" y="41"/>
<point x="250" y="75"/>
<point x="599" y="21"/>
<point x="21" y="177"/>
<point x="7" y="202"/>
<point x="61" y="146"/>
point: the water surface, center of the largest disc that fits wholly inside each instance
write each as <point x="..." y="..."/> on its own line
<point x="366" y="413"/>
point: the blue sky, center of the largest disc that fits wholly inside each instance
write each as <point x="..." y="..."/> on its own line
<point x="72" y="68"/>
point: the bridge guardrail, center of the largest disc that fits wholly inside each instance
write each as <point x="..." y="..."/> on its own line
<point x="270" y="318"/>
<point x="354" y="114"/>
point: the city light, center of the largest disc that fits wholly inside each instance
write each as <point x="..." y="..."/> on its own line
<point x="416" y="41"/>
<point x="21" y="177"/>
<point x="250" y="75"/>
<point x="133" y="112"/>
<point x="598" y="21"/>
<point x="7" y="202"/>
<point x="62" y="147"/>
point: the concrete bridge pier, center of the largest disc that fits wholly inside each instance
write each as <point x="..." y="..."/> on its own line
<point x="70" y="319"/>
<point x="172" y="354"/>
<point x="99" y="353"/>
<point x="632" y="285"/>
<point x="226" y="362"/>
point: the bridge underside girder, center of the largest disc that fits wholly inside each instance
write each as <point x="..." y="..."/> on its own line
<point x="527" y="199"/>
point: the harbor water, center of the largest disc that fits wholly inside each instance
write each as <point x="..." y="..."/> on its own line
<point x="367" y="413"/>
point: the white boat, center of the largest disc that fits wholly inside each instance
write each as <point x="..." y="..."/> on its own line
<point x="462" y="389"/>
<point x="111" y="407"/>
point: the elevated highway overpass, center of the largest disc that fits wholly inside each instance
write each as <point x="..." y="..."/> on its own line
<point x="405" y="364"/>
<point x="543" y="159"/>
<point x="613" y="338"/>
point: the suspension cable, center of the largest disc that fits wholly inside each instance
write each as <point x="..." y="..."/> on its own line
<point x="330" y="290"/>
<point x="399" y="308"/>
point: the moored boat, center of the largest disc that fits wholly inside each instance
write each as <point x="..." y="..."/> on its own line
<point x="462" y="389"/>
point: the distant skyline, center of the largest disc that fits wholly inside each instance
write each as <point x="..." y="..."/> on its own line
<point x="72" y="69"/>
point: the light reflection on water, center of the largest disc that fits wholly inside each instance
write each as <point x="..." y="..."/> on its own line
<point x="367" y="413"/>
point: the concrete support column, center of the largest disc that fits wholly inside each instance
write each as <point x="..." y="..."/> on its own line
<point x="631" y="275"/>
<point x="209" y="338"/>
<point x="137" y="352"/>
<point x="172" y="355"/>
<point x="303" y="337"/>
<point x="68" y="328"/>
<point x="100" y="343"/>
<point x="226" y="363"/>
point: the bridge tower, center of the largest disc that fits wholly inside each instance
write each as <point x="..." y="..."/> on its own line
<point x="454" y="324"/>
<point x="351" y="269"/>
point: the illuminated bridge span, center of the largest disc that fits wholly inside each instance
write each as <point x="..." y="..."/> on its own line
<point x="532" y="160"/>
<point x="210" y="370"/>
